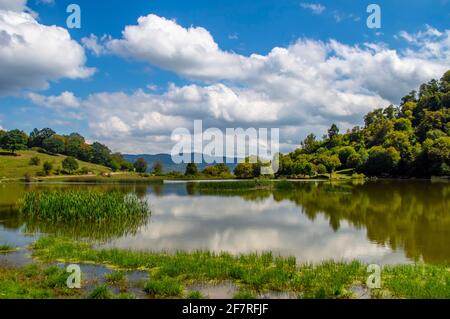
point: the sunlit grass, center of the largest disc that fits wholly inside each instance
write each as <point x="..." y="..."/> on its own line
<point x="163" y="287"/>
<point x="253" y="272"/>
<point x="244" y="294"/>
<point x="195" y="295"/>
<point x="82" y="205"/>
<point x="101" y="292"/>
<point x="35" y="282"/>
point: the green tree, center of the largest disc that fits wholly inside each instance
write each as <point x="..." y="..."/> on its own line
<point x="37" y="137"/>
<point x="331" y="162"/>
<point x="333" y="131"/>
<point x="244" y="170"/>
<point x="382" y="161"/>
<point x="101" y="154"/>
<point x="303" y="168"/>
<point x="158" y="168"/>
<point x="74" y="143"/>
<point x="222" y="169"/>
<point x="35" y="161"/>
<point x="310" y="144"/>
<point x="437" y="155"/>
<point x="191" y="169"/>
<point x="54" y="144"/>
<point x="70" y="164"/>
<point x="344" y="153"/>
<point x="140" y="165"/>
<point x="14" y="140"/>
<point x="210" y="171"/>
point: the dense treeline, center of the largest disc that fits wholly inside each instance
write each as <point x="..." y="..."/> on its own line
<point x="412" y="139"/>
<point x="73" y="145"/>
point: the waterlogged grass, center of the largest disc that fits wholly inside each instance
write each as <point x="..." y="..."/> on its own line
<point x="254" y="272"/>
<point x="82" y="205"/>
<point x="164" y="287"/>
<point x="244" y="294"/>
<point x="35" y="282"/>
<point x="195" y="295"/>
<point x="420" y="281"/>
<point x="116" y="277"/>
<point x="5" y="249"/>
<point x="101" y="292"/>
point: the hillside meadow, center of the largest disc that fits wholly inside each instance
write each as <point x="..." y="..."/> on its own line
<point x="18" y="165"/>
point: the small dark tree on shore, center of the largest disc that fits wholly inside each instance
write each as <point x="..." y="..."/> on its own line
<point x="140" y="165"/>
<point x="158" y="168"/>
<point x="47" y="168"/>
<point x="191" y="169"/>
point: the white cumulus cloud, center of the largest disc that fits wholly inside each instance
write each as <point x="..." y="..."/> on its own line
<point x="32" y="54"/>
<point x="299" y="88"/>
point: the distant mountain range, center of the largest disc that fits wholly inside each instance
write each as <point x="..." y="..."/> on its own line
<point x="169" y="165"/>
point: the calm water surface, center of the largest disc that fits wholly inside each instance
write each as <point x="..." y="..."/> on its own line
<point x="384" y="222"/>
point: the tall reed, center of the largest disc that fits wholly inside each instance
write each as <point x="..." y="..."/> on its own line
<point x="82" y="206"/>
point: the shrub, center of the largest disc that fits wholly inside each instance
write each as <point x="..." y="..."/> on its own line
<point x="101" y="292"/>
<point x="165" y="287"/>
<point x="35" y="161"/>
<point x="70" y="164"/>
<point x="47" y="168"/>
<point x="28" y="178"/>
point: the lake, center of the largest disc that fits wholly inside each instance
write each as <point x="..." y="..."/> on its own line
<point x="385" y="222"/>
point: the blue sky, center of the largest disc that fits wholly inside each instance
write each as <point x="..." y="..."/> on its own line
<point x="362" y="68"/>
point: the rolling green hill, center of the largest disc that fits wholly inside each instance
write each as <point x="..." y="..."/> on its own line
<point x="12" y="167"/>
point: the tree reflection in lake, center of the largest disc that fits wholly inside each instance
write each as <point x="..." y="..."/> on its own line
<point x="382" y="221"/>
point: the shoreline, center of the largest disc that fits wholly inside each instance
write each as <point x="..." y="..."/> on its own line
<point x="253" y="275"/>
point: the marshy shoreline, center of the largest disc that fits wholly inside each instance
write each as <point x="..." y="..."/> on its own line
<point x="173" y="275"/>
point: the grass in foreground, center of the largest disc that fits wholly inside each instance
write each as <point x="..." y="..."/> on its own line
<point x="164" y="287"/>
<point x="82" y="205"/>
<point x="195" y="295"/>
<point x="35" y="282"/>
<point x="243" y="294"/>
<point x="253" y="272"/>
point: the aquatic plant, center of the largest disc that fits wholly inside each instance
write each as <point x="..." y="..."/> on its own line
<point x="163" y="287"/>
<point x="82" y="206"/>
<point x="253" y="272"/>
<point x="243" y="294"/>
<point x="101" y="292"/>
<point x="195" y="294"/>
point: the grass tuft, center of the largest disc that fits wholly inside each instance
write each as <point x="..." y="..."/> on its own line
<point x="164" y="287"/>
<point x="195" y="295"/>
<point x="101" y="292"/>
<point x="244" y="294"/>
